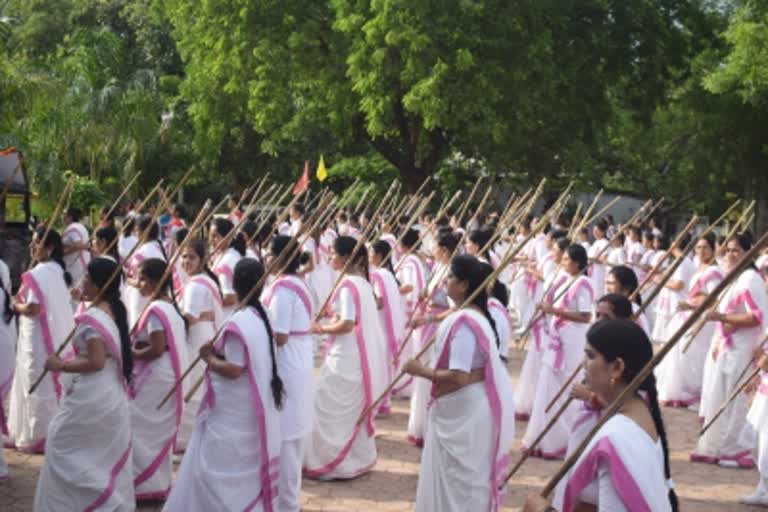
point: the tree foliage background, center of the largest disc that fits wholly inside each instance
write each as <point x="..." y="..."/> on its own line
<point x="648" y="97"/>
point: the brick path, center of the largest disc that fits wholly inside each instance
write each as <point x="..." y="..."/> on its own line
<point x="391" y="486"/>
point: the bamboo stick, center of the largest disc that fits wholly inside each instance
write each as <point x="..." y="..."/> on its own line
<point x="525" y="455"/>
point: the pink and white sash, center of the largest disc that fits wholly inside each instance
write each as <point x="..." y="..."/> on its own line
<point x="297" y="286"/>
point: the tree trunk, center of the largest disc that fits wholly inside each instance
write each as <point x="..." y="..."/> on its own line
<point x="412" y="177"/>
<point x="413" y="162"/>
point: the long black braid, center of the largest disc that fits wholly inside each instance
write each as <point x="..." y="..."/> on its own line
<point x="649" y="386"/>
<point x="248" y="272"/>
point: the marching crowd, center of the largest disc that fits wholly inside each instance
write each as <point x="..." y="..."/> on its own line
<point x="441" y="302"/>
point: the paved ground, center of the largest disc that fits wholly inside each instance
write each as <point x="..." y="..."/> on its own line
<point x="392" y="484"/>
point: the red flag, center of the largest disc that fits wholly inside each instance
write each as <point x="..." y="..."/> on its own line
<point x="303" y="182"/>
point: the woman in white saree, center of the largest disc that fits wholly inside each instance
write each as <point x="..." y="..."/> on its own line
<point x="201" y="305"/>
<point x="160" y="353"/>
<point x="568" y="318"/>
<point x="292" y="308"/>
<point x="391" y="309"/>
<point x="539" y="339"/>
<point x="680" y="375"/>
<point x="88" y="450"/>
<point x="7" y="352"/>
<point x="626" y="464"/>
<point x="232" y="461"/>
<point x="411" y="272"/>
<point x="471" y="420"/>
<point x="437" y="308"/>
<point x="45" y="319"/>
<point x="740" y="322"/>
<point x="352" y="375"/>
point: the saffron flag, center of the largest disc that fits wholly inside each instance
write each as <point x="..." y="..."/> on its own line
<point x="303" y="182"/>
<point x="322" y="172"/>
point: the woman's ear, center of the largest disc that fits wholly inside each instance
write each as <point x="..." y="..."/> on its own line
<point x="617" y="369"/>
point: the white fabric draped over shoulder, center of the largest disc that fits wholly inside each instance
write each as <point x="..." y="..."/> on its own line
<point x="391" y="314"/>
<point x="321" y="279"/>
<point x="201" y="295"/>
<point x="621" y="469"/>
<point x="350" y="379"/>
<point x="291" y="305"/>
<point x="39" y="336"/>
<point x="536" y="346"/>
<point x="154" y="431"/>
<point x="561" y="356"/>
<point x="233" y="457"/>
<point x="471" y="431"/>
<point x="88" y="452"/>
<point x="597" y="270"/>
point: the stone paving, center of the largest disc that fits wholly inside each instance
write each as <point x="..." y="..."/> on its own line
<point x="391" y="486"/>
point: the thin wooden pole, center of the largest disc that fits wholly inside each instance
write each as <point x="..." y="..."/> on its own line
<point x="525" y="455"/>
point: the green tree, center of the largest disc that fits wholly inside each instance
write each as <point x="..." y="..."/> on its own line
<point x="516" y="83"/>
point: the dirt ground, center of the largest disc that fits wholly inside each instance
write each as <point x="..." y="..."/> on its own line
<point x="391" y="486"/>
